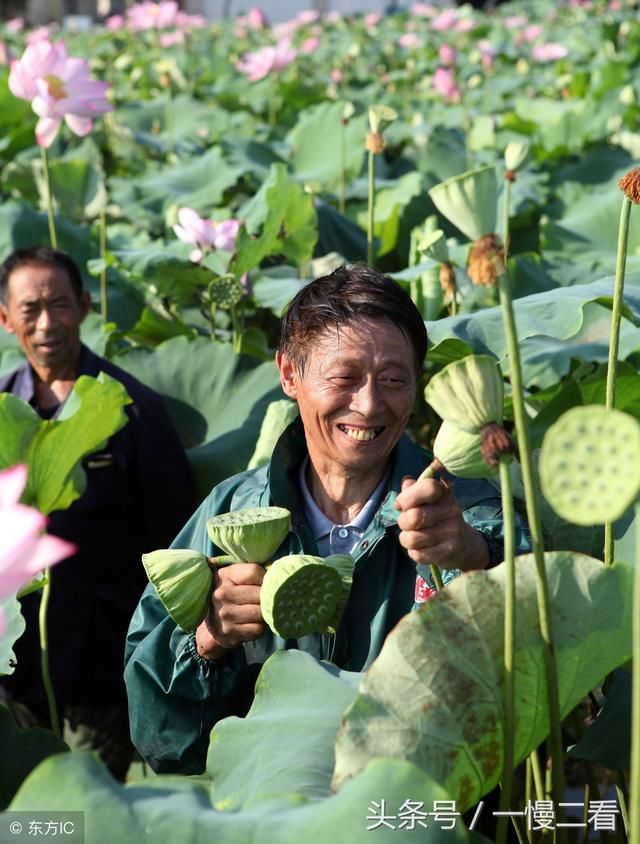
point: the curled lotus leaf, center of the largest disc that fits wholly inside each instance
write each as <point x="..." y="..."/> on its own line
<point x="183" y="580"/>
<point x="468" y="393"/>
<point x="590" y="464"/>
<point x="250" y="535"/>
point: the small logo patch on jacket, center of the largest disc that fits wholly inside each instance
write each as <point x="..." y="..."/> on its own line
<point x="423" y="590"/>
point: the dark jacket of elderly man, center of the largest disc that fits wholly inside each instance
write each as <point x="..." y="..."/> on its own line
<point x="351" y="350"/>
<point x="138" y="493"/>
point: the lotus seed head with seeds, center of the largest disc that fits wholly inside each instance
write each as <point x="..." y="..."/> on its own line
<point x="225" y="292"/>
<point x="374" y="143"/>
<point x="447" y="278"/>
<point x="303" y="594"/>
<point x="590" y="464"/>
<point x="252" y="535"/>
<point x="183" y="580"/>
<point x="468" y="393"/>
<point x="629" y="184"/>
<point x="459" y="452"/>
<point x="486" y="260"/>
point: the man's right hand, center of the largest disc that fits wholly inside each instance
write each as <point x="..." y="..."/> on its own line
<point x="234" y="615"/>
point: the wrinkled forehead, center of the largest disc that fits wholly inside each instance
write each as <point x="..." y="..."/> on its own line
<point x="362" y="338"/>
<point x="37" y="281"/>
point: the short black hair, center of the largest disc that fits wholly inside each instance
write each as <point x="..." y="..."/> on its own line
<point x="35" y="256"/>
<point x="346" y="296"/>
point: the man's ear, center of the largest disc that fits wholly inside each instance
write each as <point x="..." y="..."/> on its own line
<point x="4" y="319"/>
<point x="85" y="304"/>
<point x="288" y="374"/>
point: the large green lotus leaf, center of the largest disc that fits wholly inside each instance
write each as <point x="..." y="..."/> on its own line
<point x="22" y="751"/>
<point x="19" y="423"/>
<point x="607" y="741"/>
<point x="434" y="695"/>
<point x="557" y="314"/>
<point x="176" y="810"/>
<point x="337" y="233"/>
<point x="14" y="625"/>
<point x="469" y="201"/>
<point x="319" y="163"/>
<point x="164" y="271"/>
<point x="567" y="124"/>
<point x="285" y="744"/>
<point x="217" y="400"/>
<point x="279" y="219"/>
<point x="93" y="412"/>
<point x="198" y="183"/>
<point x="250" y="156"/>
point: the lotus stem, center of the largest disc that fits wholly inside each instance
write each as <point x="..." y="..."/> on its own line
<point x="623" y="799"/>
<point x="48" y="198"/>
<point x="169" y="122"/>
<point x="614" y="339"/>
<point x="528" y="792"/>
<point x="429" y="472"/>
<point x="343" y="158"/>
<point x="103" y="272"/>
<point x="509" y="649"/>
<point x="634" y="787"/>
<point x="535" y="525"/>
<point x="44" y="654"/>
<point x="536" y="772"/>
<point x="371" y="209"/>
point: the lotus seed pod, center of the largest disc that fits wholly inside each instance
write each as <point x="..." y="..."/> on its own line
<point x="486" y="260"/>
<point x="459" y="452"/>
<point x="302" y="594"/>
<point x="590" y="464"/>
<point x="374" y="143"/>
<point x="279" y="415"/>
<point x="467" y="393"/>
<point x="250" y="535"/>
<point x="515" y="154"/>
<point x="225" y="292"/>
<point x="183" y="581"/>
<point x="469" y="201"/>
<point x="380" y="116"/>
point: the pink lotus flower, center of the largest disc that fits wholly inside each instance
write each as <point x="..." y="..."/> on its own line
<point x="267" y="60"/>
<point x="409" y="39"/>
<point x="205" y="234"/>
<point x="549" y="52"/>
<point x="149" y="15"/>
<point x="515" y="21"/>
<point x="488" y="53"/>
<point x="59" y="88"/>
<point x="309" y="45"/>
<point x="445" y="84"/>
<point x="423" y="10"/>
<point x="169" y="39"/>
<point x="336" y="75"/>
<point x="530" y="33"/>
<point x="447" y="54"/>
<point x="24" y="551"/>
<point x="445" y="20"/>
<point x="307" y="16"/>
<point x="256" y="18"/>
<point x="371" y="20"/>
<point x="15" y="25"/>
<point x="465" y="25"/>
<point x="115" y="22"/>
<point x="39" y="34"/>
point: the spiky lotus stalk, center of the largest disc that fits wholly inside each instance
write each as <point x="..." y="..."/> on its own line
<point x="303" y="594"/>
<point x="250" y="535"/>
<point x="468" y="393"/>
<point x="183" y="580"/>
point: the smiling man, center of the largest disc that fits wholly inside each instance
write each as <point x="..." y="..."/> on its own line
<point x="138" y="493"/>
<point x="352" y="347"/>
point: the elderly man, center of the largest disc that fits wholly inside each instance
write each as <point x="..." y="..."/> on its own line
<point x="138" y="493"/>
<point x="351" y="350"/>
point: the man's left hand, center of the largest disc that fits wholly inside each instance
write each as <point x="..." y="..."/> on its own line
<point x="433" y="530"/>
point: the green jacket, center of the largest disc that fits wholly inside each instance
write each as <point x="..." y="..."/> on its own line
<point x="176" y="696"/>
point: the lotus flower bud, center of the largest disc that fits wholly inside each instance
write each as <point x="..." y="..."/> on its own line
<point x="183" y="580"/>
<point x="303" y="594"/>
<point x="252" y="535"/>
<point x="468" y="393"/>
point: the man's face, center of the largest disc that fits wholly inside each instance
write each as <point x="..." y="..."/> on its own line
<point x="44" y="313"/>
<point x="355" y="395"/>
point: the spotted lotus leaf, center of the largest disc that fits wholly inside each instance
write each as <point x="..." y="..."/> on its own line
<point x="590" y="464"/>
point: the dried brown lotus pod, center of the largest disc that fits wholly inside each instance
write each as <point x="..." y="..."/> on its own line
<point x="486" y="260"/>
<point x="496" y="442"/>
<point x="448" y="279"/>
<point x="629" y="184"/>
<point x="374" y="142"/>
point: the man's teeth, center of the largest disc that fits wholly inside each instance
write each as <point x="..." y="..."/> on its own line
<point x="361" y="434"/>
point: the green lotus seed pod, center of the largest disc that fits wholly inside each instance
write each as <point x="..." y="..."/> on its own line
<point x="467" y="393"/>
<point x="279" y="415"/>
<point x="515" y="154"/>
<point x="380" y="116"/>
<point x="469" y="200"/>
<point x="250" y="535"/>
<point x="183" y="581"/>
<point x="590" y="464"/>
<point x="300" y="594"/>
<point x="459" y="452"/>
